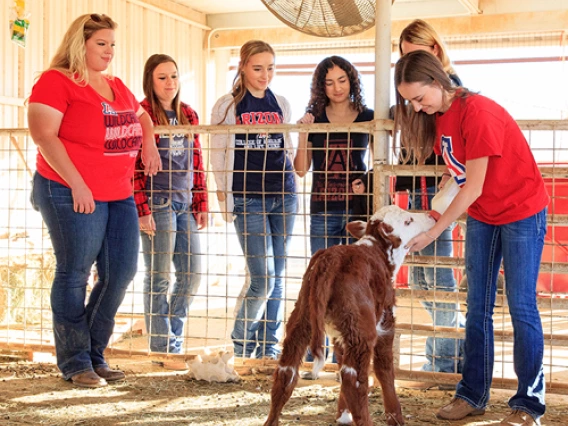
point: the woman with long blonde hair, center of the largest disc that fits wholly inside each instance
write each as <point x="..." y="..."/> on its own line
<point x="88" y="128"/>
<point x="255" y="186"/>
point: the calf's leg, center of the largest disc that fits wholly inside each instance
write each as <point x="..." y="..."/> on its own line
<point x="286" y="376"/>
<point x="384" y="370"/>
<point x="354" y="372"/>
<point x="343" y="415"/>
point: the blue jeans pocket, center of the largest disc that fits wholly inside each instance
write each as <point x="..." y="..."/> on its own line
<point x="158" y="202"/>
<point x="241" y="203"/>
<point x="32" y="196"/>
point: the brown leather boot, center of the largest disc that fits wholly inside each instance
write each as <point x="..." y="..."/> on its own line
<point x="458" y="409"/>
<point x="88" y="379"/>
<point x="518" y="418"/>
<point x="110" y="375"/>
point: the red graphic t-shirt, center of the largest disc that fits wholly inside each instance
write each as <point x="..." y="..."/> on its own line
<point x="477" y="127"/>
<point x="102" y="137"/>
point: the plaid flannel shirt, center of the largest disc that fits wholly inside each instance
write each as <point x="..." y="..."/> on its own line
<point x="199" y="190"/>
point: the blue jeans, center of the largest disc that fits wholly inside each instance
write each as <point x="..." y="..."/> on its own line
<point x="328" y="229"/>
<point x="177" y="241"/>
<point x="264" y="228"/>
<point x="442" y="354"/>
<point x="108" y="237"/>
<point x="519" y="245"/>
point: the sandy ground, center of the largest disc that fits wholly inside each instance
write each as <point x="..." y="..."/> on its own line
<point x="35" y="394"/>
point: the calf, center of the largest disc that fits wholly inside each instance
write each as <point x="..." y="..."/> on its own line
<point x="347" y="291"/>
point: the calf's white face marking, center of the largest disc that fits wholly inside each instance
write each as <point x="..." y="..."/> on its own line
<point x="405" y="226"/>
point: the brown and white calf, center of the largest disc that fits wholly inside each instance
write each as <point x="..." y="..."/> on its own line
<point x="347" y="291"/>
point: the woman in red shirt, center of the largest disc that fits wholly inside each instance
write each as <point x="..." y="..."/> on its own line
<point x="88" y="128"/>
<point x="504" y="195"/>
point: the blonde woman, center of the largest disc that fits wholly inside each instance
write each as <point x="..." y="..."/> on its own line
<point x="255" y="185"/>
<point x="442" y="354"/>
<point x="88" y="128"/>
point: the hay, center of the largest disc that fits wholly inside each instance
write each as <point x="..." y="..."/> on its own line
<point x="25" y="284"/>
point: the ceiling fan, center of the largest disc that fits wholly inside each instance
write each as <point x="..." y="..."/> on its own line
<point x="325" y="18"/>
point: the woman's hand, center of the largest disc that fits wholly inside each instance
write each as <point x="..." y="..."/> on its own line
<point x="308" y="118"/>
<point x="151" y="159"/>
<point x="150" y="155"/>
<point x="83" y="201"/>
<point x="445" y="178"/>
<point x="202" y="219"/>
<point x="147" y="225"/>
<point x="358" y="186"/>
<point x="420" y="241"/>
<point x="44" y="123"/>
<point x="303" y="158"/>
<point x="221" y="195"/>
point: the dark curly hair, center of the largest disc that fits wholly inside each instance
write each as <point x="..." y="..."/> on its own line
<point x="319" y="100"/>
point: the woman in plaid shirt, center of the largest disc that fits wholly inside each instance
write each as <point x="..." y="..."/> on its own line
<point x="172" y="208"/>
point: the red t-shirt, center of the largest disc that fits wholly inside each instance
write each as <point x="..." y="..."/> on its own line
<point x="102" y="137"/>
<point x="476" y="127"/>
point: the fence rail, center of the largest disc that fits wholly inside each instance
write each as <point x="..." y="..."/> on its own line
<point x="26" y="265"/>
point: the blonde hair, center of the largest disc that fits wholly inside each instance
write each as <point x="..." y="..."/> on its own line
<point x="70" y="57"/>
<point x="421" y="33"/>
<point x="239" y="90"/>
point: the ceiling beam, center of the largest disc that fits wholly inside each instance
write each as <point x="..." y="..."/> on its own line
<point x="175" y="10"/>
<point x="523" y="22"/>
<point x="472" y="6"/>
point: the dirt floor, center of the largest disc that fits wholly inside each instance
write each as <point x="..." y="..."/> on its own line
<point x="35" y="394"/>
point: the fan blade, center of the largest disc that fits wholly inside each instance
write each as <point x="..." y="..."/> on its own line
<point x="346" y="12"/>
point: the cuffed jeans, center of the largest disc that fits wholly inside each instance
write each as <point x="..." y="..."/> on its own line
<point x="519" y="245"/>
<point x="176" y="240"/>
<point x="443" y="354"/>
<point x="264" y="228"/>
<point x="108" y="236"/>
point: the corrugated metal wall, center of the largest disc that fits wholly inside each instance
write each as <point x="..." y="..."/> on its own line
<point x="142" y="31"/>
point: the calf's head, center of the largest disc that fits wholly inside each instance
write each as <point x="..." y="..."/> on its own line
<point x="391" y="228"/>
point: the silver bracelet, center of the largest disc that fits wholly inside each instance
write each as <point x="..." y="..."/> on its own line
<point x="430" y="236"/>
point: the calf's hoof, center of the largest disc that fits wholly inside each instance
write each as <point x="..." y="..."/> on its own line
<point x="394" y="419"/>
<point x="344" y="418"/>
<point x="271" y="422"/>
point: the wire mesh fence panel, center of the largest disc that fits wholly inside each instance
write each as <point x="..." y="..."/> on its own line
<point x="207" y="320"/>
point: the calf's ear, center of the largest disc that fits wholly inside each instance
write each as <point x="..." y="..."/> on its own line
<point x="357" y="228"/>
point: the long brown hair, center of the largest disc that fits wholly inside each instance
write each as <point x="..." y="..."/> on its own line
<point x="239" y="90"/>
<point x="148" y="85"/>
<point x="418" y="129"/>
<point x="318" y="98"/>
<point x="70" y="57"/>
